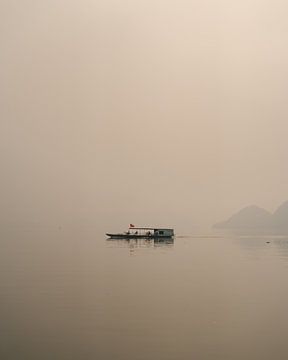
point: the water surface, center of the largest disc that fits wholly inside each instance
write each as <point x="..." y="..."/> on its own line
<point x="68" y="293"/>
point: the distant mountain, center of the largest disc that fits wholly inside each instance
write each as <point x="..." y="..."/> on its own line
<point x="254" y="217"/>
<point x="249" y="217"/>
<point x="280" y="217"/>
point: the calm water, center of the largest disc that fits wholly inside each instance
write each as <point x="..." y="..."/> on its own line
<point x="70" y="294"/>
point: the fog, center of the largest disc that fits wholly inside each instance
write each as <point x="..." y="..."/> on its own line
<point x="158" y="112"/>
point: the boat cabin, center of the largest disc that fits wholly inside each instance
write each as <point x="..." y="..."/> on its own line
<point x="148" y="231"/>
<point x="163" y="232"/>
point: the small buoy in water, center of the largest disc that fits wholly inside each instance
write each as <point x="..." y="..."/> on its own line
<point x="267" y="242"/>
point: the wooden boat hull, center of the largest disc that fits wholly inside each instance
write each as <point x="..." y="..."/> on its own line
<point x="137" y="236"/>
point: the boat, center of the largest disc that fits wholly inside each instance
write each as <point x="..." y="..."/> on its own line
<point x="135" y="232"/>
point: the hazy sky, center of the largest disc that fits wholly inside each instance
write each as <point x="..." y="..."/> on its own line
<point x="158" y="112"/>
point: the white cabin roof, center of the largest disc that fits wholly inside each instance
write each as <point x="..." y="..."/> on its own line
<point x="149" y="228"/>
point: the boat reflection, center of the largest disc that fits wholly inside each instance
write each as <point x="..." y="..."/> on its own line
<point x="141" y="243"/>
